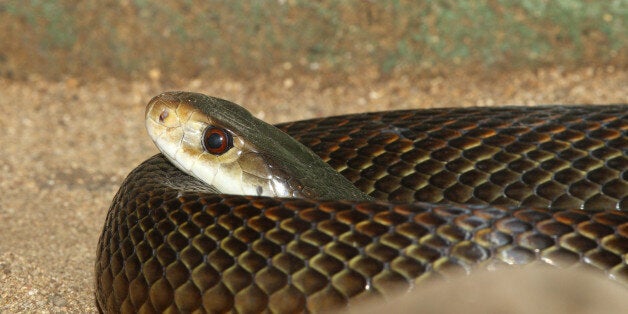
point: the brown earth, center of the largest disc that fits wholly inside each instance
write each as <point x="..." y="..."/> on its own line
<point x="66" y="147"/>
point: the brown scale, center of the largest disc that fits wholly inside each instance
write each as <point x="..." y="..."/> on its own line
<point x="541" y="185"/>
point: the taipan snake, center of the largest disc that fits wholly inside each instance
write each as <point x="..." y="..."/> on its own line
<point x="546" y="184"/>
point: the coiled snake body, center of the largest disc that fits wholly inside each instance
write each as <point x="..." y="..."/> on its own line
<point x="542" y="184"/>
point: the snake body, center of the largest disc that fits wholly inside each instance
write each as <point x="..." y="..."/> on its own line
<point x="544" y="184"/>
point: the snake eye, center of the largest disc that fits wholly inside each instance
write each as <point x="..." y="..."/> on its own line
<point x="217" y="141"/>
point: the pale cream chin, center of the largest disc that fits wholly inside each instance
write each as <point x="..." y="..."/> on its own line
<point x="174" y="156"/>
<point x="225" y="175"/>
<point x="231" y="179"/>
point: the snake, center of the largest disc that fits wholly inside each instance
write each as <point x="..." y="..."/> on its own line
<point x="236" y="215"/>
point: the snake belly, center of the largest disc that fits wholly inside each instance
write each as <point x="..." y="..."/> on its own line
<point x="542" y="185"/>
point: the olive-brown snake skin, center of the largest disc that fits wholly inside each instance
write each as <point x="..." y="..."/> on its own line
<point x="544" y="184"/>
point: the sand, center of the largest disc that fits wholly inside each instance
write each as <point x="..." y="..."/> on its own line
<point x="67" y="146"/>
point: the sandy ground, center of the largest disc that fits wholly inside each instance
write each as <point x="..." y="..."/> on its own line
<point x="66" y="147"/>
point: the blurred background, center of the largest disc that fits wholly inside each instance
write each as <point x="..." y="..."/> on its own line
<point x="166" y="40"/>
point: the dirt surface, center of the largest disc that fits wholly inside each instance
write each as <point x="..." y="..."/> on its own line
<point x="66" y="147"/>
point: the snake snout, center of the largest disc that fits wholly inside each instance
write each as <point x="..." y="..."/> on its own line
<point x="162" y="110"/>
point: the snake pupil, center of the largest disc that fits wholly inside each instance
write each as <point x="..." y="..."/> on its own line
<point x="217" y="141"/>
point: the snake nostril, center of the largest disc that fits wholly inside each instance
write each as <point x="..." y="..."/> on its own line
<point x="164" y="114"/>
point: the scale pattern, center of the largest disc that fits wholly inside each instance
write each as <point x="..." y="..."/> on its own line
<point x="541" y="185"/>
<point x="550" y="157"/>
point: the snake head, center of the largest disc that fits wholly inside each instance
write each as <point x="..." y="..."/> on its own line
<point x="225" y="146"/>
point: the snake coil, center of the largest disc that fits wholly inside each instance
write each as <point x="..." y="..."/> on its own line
<point x="542" y="184"/>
